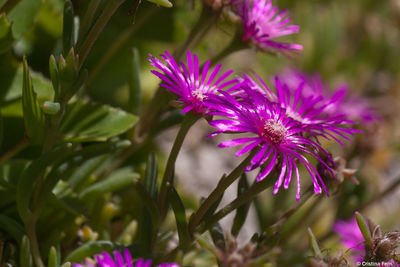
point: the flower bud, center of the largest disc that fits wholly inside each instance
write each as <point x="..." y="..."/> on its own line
<point x="51" y="108"/>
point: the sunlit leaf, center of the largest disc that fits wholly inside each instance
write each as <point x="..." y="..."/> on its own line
<point x="23" y="16"/>
<point x="84" y="122"/>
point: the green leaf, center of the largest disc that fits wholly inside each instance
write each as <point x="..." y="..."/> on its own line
<point x="54" y="260"/>
<point x="1" y="130"/>
<point x="82" y="174"/>
<point x="68" y="26"/>
<point x="214" y="206"/>
<point x="364" y="229"/>
<point x="116" y="181"/>
<point x="11" y="171"/>
<point x="89" y="249"/>
<point x="151" y="175"/>
<point x="85" y="122"/>
<point x="33" y="116"/>
<point x="135" y="89"/>
<point x="149" y="203"/>
<point x="242" y="211"/>
<point x="6" y="37"/>
<point x="164" y="3"/>
<point x="11" y="227"/>
<point x="180" y="217"/>
<point x="36" y="168"/>
<point x="217" y="235"/>
<point x="22" y="16"/>
<point x="25" y="257"/>
<point x="13" y="77"/>
<point x="314" y="244"/>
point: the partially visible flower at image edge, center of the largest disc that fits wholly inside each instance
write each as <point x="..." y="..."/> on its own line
<point x="262" y="23"/>
<point x="106" y="260"/>
<point x="278" y="136"/>
<point x="352" y="238"/>
<point x="189" y="82"/>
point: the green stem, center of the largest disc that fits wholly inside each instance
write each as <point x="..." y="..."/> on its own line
<point x="274" y="228"/>
<point x="118" y="43"/>
<point x="207" y="19"/>
<point x="187" y="122"/>
<point x="87" y="20"/>
<point x="390" y="189"/>
<point x="98" y="27"/>
<point x="8" y="6"/>
<point x="246" y="197"/>
<point x="217" y="192"/>
<point x="24" y="142"/>
<point x="235" y="45"/>
<point x="31" y="232"/>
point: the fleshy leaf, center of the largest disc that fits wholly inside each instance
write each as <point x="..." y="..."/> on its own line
<point x="86" y="122"/>
<point x="23" y="16"/>
<point x="180" y="217"/>
<point x="33" y="116"/>
<point x="164" y="3"/>
<point x="91" y="248"/>
<point x="6" y="37"/>
<point x="241" y="212"/>
<point x="25" y="257"/>
<point x="11" y="227"/>
<point x="117" y="180"/>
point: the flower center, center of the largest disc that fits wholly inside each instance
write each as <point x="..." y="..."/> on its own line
<point x="198" y="95"/>
<point x="274" y="132"/>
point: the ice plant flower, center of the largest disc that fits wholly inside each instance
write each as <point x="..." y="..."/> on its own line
<point x="338" y="102"/>
<point x="262" y="23"/>
<point x="106" y="260"/>
<point x="189" y="82"/>
<point x="278" y="137"/>
<point x="310" y="110"/>
<point x="351" y="237"/>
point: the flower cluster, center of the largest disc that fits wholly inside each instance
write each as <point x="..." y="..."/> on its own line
<point x="106" y="260"/>
<point x="283" y="125"/>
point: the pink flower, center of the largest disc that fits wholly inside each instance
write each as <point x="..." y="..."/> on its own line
<point x="262" y="23"/>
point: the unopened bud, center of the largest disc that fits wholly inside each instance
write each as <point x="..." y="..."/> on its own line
<point x="51" y="108"/>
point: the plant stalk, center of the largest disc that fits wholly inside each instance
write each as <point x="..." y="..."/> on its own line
<point x="246" y="197"/>
<point x="87" y="20"/>
<point x="24" y="142"/>
<point x="217" y="192"/>
<point x="187" y="122"/>
<point x="97" y="28"/>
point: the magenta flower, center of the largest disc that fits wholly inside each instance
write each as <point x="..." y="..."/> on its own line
<point x="106" y="260"/>
<point x="351" y="237"/>
<point x="310" y="110"/>
<point x="338" y="103"/>
<point x="188" y="82"/>
<point x="278" y="137"/>
<point x="262" y="23"/>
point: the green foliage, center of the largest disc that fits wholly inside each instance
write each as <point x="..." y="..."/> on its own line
<point x="6" y="36"/>
<point x="33" y="116"/>
<point x="87" y="122"/>
<point x="23" y="15"/>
